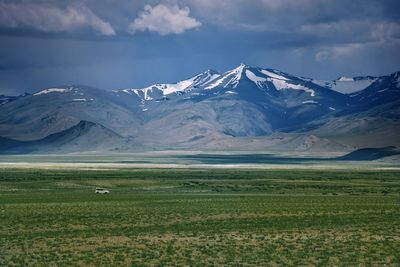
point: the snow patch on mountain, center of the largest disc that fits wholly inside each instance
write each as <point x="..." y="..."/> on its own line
<point x="345" y="79"/>
<point x="282" y="85"/>
<point x="170" y="88"/>
<point x="53" y="90"/>
<point x="195" y="81"/>
<point x="215" y="83"/>
<point x="204" y="77"/>
<point x="254" y="78"/>
<point x="346" y="85"/>
<point x="351" y="86"/>
<point x="234" y="75"/>
<point x="273" y="75"/>
<point x="310" y="102"/>
<point x="232" y="78"/>
<point x="146" y="92"/>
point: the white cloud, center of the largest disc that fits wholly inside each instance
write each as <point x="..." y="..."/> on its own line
<point x="52" y="19"/>
<point x="164" y="19"/>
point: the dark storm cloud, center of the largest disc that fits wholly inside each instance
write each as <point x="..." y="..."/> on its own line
<point x="133" y="43"/>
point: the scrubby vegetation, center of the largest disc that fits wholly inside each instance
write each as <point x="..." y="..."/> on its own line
<point x="199" y="217"/>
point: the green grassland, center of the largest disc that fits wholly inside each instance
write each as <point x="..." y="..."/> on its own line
<point x="198" y="217"/>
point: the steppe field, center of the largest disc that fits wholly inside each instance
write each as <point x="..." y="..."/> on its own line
<point x="199" y="217"/>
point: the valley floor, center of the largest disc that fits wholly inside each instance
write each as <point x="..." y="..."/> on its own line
<point x="195" y="159"/>
<point x="199" y="217"/>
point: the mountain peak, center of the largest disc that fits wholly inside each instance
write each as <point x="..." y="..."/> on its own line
<point x="241" y="67"/>
<point x="230" y="78"/>
<point x="246" y="102"/>
<point x="258" y="76"/>
<point x="163" y="89"/>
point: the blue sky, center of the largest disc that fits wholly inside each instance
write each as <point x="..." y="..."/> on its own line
<point x="133" y="43"/>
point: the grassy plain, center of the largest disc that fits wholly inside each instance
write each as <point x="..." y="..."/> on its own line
<point x="199" y="217"/>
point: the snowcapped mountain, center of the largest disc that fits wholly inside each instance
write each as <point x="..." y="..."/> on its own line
<point x="384" y="90"/>
<point x="262" y="78"/>
<point x="269" y="80"/>
<point x="157" y="91"/>
<point x="286" y="100"/>
<point x="347" y="85"/>
<point x="211" y="110"/>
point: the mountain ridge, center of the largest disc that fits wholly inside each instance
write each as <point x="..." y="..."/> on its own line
<point x="234" y="106"/>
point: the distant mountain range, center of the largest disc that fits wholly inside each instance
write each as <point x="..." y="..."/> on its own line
<point x="246" y="108"/>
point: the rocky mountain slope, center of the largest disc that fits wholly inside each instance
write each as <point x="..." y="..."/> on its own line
<point x="244" y="107"/>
